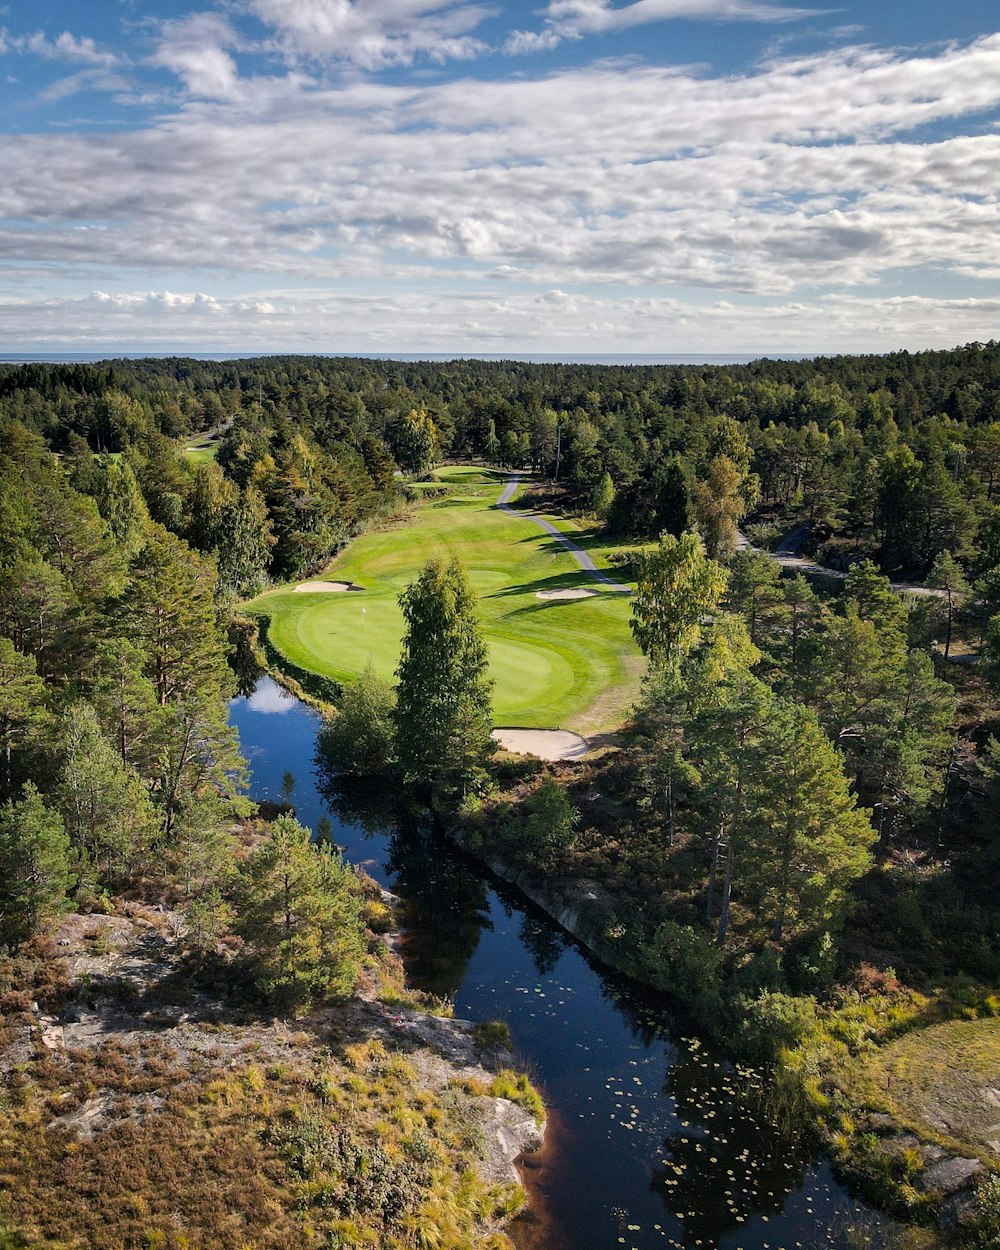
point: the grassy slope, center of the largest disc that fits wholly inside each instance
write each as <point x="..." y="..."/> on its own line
<point x="557" y="664"/>
<point x="941" y="1081"/>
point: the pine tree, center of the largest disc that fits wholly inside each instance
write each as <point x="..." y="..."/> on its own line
<point x="299" y="909"/>
<point x="168" y="608"/>
<point x="127" y="706"/>
<point x="728" y="738"/>
<point x="801" y="612"/>
<point x="200" y="751"/>
<point x="672" y="499"/>
<point x="946" y="574"/>
<point x="755" y="590"/>
<point x="808" y="839"/>
<point x="444" y="695"/>
<point x="105" y="806"/>
<point x="22" y="709"/>
<point x="36" y="613"/>
<point x="35" y="866"/>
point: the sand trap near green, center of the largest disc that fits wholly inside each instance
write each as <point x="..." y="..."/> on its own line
<point x="556" y="662"/>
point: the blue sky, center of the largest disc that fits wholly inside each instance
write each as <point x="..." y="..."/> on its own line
<point x="564" y="176"/>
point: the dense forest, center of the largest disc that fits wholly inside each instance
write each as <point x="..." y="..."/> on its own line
<point x="202" y="918"/>
<point x="799" y="828"/>
<point x="893" y="456"/>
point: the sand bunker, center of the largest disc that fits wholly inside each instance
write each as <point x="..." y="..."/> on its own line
<point x="547" y="744"/>
<point x="324" y="588"/>
<point x="576" y="592"/>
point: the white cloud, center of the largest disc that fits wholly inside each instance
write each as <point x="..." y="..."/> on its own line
<point x="65" y="47"/>
<point x="554" y="321"/>
<point x="374" y="33"/>
<point x="572" y="19"/>
<point x="520" y="42"/>
<point x="800" y="176"/>
<point x="195" y="48"/>
<point x="85" y="80"/>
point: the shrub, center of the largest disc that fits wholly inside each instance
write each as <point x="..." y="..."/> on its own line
<point x="686" y="963"/>
<point x="775" y="1022"/>
<point x="360" y="737"/>
<point x="516" y="1087"/>
<point x="545" y="823"/>
<point x="492" y="1035"/>
<point x="987" y="1233"/>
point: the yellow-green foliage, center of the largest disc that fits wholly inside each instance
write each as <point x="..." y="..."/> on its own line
<point x="879" y="1048"/>
<point x="492" y="1035"/>
<point x="285" y="1154"/>
<point x="378" y="917"/>
<point x="517" y="1087"/>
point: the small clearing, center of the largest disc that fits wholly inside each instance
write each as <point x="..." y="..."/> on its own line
<point x="547" y="744"/>
<point x="324" y="588"/>
<point x="945" y="1078"/>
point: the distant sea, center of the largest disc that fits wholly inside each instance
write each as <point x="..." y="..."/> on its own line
<point x="610" y="358"/>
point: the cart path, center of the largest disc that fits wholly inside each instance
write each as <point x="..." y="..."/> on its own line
<point x="579" y="555"/>
<point x="787" y="555"/>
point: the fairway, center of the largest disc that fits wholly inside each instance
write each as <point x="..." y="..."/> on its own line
<point x="557" y="663"/>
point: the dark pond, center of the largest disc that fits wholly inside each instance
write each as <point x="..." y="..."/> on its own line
<point x="652" y="1140"/>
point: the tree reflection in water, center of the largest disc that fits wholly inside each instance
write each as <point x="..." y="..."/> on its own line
<point x="445" y="906"/>
<point x="728" y="1161"/>
<point x="445" y="913"/>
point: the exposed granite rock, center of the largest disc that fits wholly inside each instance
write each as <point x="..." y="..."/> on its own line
<point x="950" y="1175"/>
<point x="960" y="1212"/>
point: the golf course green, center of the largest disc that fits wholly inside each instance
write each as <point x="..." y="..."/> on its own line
<point x="557" y="663"/>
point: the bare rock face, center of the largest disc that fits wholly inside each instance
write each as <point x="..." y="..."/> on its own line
<point x="960" y="1213"/>
<point x="510" y="1133"/>
<point x="950" y="1175"/>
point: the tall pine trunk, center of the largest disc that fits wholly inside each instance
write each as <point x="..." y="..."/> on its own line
<point x="727" y="892"/>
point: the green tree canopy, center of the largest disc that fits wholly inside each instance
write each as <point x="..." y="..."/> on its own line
<point x="360" y="736"/>
<point x="299" y="909"/>
<point x="444" y="696"/>
<point x="35" y="866"/>
<point x="677" y="587"/>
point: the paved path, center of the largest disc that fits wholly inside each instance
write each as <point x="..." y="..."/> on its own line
<point x="579" y="555"/>
<point x="787" y="556"/>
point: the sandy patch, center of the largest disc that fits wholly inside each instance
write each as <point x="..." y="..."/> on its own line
<point x="324" y="588"/>
<point x="575" y="592"/>
<point x="547" y="744"/>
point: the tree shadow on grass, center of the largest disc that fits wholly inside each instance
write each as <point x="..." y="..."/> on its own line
<point x="580" y="580"/>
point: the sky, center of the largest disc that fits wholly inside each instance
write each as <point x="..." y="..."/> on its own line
<point x="499" y="176"/>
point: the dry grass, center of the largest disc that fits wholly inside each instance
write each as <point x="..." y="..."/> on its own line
<point x="942" y="1081"/>
<point x="129" y="1123"/>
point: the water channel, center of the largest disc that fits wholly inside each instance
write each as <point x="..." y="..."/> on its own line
<point x="652" y="1140"/>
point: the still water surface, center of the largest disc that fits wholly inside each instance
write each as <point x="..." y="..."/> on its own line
<point x="653" y="1140"/>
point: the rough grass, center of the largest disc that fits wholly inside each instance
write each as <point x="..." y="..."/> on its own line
<point x="556" y="663"/>
<point x="943" y="1081"/>
<point x="285" y="1156"/>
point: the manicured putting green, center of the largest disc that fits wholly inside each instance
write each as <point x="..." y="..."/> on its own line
<point x="556" y="663"/>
